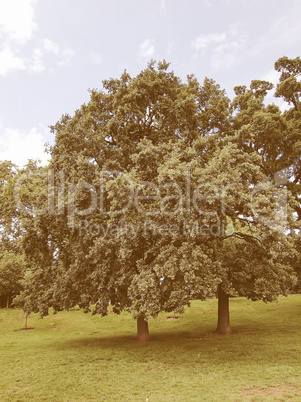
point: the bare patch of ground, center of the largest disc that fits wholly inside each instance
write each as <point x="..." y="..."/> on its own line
<point x="284" y="391"/>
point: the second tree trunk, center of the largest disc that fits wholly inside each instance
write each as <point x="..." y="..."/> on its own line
<point x="223" y="323"/>
<point x="142" y="330"/>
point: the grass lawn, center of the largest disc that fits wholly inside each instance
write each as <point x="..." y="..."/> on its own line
<point x="72" y="356"/>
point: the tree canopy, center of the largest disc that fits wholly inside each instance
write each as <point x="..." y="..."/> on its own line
<point x="159" y="191"/>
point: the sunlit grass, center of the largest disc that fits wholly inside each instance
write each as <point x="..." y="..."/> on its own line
<point x="72" y="356"/>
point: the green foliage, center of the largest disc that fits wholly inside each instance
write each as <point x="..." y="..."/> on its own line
<point x="163" y="191"/>
<point x="12" y="269"/>
<point x="289" y="86"/>
<point x="276" y="137"/>
<point x="9" y="224"/>
<point x="124" y="126"/>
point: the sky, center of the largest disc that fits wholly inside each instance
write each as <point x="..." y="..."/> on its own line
<point x="53" y="51"/>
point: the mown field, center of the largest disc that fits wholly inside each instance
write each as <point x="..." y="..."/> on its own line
<point x="72" y="356"/>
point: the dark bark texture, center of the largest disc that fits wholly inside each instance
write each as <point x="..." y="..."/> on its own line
<point x="142" y="330"/>
<point x="223" y="323"/>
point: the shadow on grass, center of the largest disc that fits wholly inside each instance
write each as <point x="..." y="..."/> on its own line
<point x="193" y="334"/>
<point x="177" y="350"/>
<point x="165" y="341"/>
<point x="261" y="336"/>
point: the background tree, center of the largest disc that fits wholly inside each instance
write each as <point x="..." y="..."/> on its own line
<point x="11" y="260"/>
<point x="10" y="230"/>
<point x="12" y="270"/>
<point x="34" y="195"/>
<point x="289" y="88"/>
<point x="236" y="208"/>
<point x="274" y="135"/>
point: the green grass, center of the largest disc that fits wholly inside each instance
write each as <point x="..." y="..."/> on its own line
<point x="72" y="356"/>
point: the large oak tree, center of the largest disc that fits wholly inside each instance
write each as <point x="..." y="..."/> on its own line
<point x="156" y="195"/>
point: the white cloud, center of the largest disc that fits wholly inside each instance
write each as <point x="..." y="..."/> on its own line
<point x="17" y="26"/>
<point x="208" y="3"/>
<point x="205" y="40"/>
<point x="282" y="36"/>
<point x="17" y="19"/>
<point x="9" y="61"/>
<point x="19" y="146"/>
<point x="163" y="4"/>
<point x="273" y="77"/>
<point x="147" y="48"/>
<point x="223" y="47"/>
<point x="66" y="57"/>
<point x="48" y="48"/>
<point x="37" y="64"/>
<point x="96" y="58"/>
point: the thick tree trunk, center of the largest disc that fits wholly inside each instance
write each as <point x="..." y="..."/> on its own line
<point x="142" y="330"/>
<point x="223" y="323"/>
<point x="7" y="301"/>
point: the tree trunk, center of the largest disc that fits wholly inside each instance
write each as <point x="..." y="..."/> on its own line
<point x="7" y="301"/>
<point x="142" y="330"/>
<point x="223" y="323"/>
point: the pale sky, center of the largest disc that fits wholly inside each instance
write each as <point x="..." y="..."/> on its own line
<point x="53" y="51"/>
